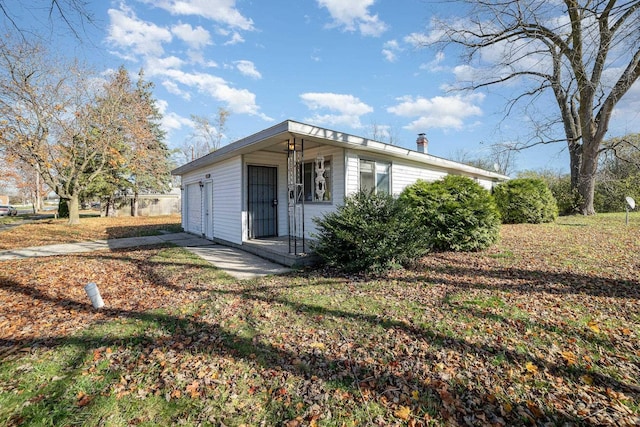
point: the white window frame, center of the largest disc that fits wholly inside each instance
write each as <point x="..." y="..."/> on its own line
<point x="328" y="175"/>
<point x="375" y="163"/>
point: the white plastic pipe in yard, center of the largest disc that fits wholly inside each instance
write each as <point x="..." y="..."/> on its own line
<point x="94" y="295"/>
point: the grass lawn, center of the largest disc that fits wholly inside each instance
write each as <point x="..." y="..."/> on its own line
<point x="92" y="227"/>
<point x="541" y="329"/>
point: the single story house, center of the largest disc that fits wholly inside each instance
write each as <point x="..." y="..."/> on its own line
<point x="273" y="183"/>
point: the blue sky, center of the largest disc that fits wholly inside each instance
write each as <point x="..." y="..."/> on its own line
<point x="348" y="65"/>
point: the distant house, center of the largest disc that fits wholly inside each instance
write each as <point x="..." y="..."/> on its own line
<point x="273" y="183"/>
<point x="153" y="204"/>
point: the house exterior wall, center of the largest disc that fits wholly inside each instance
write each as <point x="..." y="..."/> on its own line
<point x="346" y="178"/>
<point x="228" y="181"/>
<point x="351" y="171"/>
<point x="317" y="209"/>
<point x="405" y="174"/>
<point x="192" y="212"/>
<point x="487" y="183"/>
<point x="228" y="191"/>
<point x="225" y="182"/>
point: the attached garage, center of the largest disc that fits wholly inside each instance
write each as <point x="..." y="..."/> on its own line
<point x="192" y="210"/>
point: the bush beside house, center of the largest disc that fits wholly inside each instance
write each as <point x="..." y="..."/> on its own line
<point x="525" y="200"/>
<point x="372" y="232"/>
<point x="459" y="213"/>
<point x="377" y="232"/>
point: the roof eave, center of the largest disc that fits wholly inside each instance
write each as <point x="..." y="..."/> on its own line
<point x="233" y="149"/>
<point x="341" y="139"/>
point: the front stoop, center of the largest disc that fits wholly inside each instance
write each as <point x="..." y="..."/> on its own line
<point x="276" y="250"/>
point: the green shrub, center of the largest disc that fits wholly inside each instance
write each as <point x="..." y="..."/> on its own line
<point x="459" y="214"/>
<point x="369" y="232"/>
<point x="525" y="200"/>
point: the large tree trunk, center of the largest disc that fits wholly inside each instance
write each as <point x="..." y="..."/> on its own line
<point x="587" y="177"/>
<point x="110" y="207"/>
<point x="575" y="163"/>
<point x="38" y="205"/>
<point x="134" y="205"/>
<point x="74" y="210"/>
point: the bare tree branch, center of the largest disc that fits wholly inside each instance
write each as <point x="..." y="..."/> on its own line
<point x="563" y="47"/>
<point x="73" y="13"/>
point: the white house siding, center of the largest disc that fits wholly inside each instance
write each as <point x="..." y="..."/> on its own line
<point x="265" y="158"/>
<point x="312" y="210"/>
<point x="227" y="200"/>
<point x="486" y="183"/>
<point x="351" y="171"/>
<point x="405" y="174"/>
<point x="192" y="221"/>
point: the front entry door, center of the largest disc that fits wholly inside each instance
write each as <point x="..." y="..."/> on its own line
<point x="263" y="201"/>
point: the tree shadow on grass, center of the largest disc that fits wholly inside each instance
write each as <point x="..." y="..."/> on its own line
<point x="528" y="281"/>
<point x="451" y="401"/>
<point x="140" y="230"/>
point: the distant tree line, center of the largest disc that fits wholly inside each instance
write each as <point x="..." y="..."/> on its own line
<point x="618" y="177"/>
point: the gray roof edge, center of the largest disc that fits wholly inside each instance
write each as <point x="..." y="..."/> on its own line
<point x="341" y="138"/>
<point x="222" y="152"/>
<point x="358" y="142"/>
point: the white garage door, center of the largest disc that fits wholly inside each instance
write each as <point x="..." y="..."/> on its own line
<point x="194" y="209"/>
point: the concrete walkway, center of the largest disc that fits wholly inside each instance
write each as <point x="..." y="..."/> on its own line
<point x="235" y="262"/>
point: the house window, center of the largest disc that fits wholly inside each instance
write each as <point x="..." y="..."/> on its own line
<point x="317" y="180"/>
<point x="374" y="176"/>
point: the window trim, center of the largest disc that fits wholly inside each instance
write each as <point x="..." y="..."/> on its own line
<point x="375" y="163"/>
<point x="328" y="177"/>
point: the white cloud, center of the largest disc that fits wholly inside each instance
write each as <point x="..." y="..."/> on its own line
<point x="465" y="73"/>
<point x="390" y="50"/>
<point x="442" y="112"/>
<point x="171" y="121"/>
<point x="435" y="64"/>
<point x="135" y="39"/>
<point x="173" y="88"/>
<point x="127" y="32"/>
<point x="220" y="11"/>
<point x="354" y="15"/>
<point x="240" y="101"/>
<point x="196" y="38"/>
<point x="248" y="69"/>
<point x="343" y="109"/>
<point x="155" y="66"/>
<point x="236" y="38"/>
<point x="419" y="40"/>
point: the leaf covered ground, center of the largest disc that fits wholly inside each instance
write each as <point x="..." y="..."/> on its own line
<point x="542" y="329"/>
<point x="53" y="231"/>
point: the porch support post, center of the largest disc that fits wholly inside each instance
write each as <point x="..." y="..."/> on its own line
<point x="295" y="181"/>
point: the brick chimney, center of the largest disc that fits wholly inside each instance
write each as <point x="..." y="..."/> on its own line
<point x="422" y="142"/>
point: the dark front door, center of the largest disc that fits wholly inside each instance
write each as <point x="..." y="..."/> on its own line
<point x="263" y="201"/>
